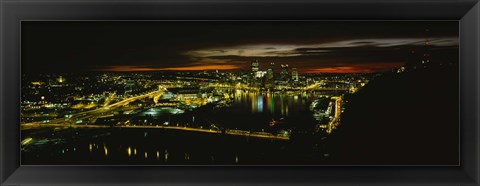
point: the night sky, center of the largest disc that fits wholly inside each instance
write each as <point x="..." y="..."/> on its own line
<point x="311" y="47"/>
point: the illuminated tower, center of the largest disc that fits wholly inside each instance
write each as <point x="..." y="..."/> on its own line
<point x="420" y="58"/>
<point x="426" y="52"/>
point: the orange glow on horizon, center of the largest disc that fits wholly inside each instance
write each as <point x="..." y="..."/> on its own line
<point x="338" y="70"/>
<point x="190" y="68"/>
<point x="363" y="68"/>
<point x="354" y="68"/>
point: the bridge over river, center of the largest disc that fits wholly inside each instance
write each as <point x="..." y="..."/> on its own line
<point x="226" y="132"/>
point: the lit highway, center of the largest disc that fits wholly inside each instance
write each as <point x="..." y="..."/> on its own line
<point x="338" y="109"/>
<point x="104" y="109"/>
<point x="108" y="108"/>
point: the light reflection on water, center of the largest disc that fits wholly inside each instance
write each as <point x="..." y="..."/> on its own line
<point x="248" y="110"/>
<point x="245" y="103"/>
<point x="131" y="153"/>
<point x="276" y="104"/>
<point x="105" y="149"/>
<point x="215" y="150"/>
<point x="127" y="151"/>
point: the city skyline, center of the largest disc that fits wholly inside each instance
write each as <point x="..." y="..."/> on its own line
<point x="315" y="47"/>
<point x="239" y="93"/>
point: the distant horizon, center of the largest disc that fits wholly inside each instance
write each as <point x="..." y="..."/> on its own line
<point x="311" y="47"/>
<point x="338" y="70"/>
<point x="173" y="71"/>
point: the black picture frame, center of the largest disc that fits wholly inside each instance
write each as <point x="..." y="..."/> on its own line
<point x="467" y="12"/>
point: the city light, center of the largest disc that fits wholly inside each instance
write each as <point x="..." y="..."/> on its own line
<point x="263" y="97"/>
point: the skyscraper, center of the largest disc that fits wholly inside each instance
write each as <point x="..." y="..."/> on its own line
<point x="271" y="71"/>
<point x="284" y="72"/>
<point x="255" y="66"/>
<point x="294" y="74"/>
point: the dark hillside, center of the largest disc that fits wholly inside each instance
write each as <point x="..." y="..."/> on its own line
<point x="406" y="118"/>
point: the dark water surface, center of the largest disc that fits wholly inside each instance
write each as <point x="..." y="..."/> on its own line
<point x="160" y="146"/>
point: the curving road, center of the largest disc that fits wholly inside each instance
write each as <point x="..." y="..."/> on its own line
<point x="103" y="109"/>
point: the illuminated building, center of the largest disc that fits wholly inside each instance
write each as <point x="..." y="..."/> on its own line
<point x="294" y="74"/>
<point x="129" y="87"/>
<point x="269" y="74"/>
<point x="284" y="72"/>
<point x="271" y="71"/>
<point x="60" y="79"/>
<point x="255" y="66"/>
<point x="260" y="74"/>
